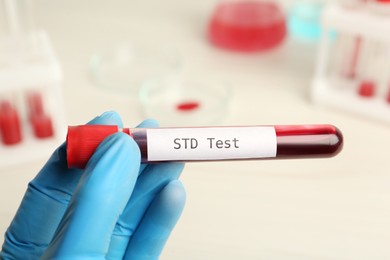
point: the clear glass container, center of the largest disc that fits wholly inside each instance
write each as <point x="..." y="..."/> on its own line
<point x="174" y="102"/>
<point x="125" y="67"/>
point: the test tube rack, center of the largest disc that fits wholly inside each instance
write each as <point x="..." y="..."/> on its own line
<point x="23" y="68"/>
<point x="354" y="47"/>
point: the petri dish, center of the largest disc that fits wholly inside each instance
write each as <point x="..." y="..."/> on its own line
<point x="185" y="103"/>
<point x="125" y="67"/>
<point x="247" y="25"/>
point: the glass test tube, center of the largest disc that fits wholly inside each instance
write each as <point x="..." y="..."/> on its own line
<point x="40" y="120"/>
<point x="211" y="143"/>
<point x="10" y="126"/>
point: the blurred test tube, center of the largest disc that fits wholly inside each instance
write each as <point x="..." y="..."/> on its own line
<point x="10" y="128"/>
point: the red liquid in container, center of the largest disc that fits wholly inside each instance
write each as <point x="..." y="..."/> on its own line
<point x="9" y="124"/>
<point x="40" y="121"/>
<point x="247" y="25"/>
<point x="367" y="88"/>
<point x="187" y="106"/>
<point x="388" y="96"/>
<point x="308" y="141"/>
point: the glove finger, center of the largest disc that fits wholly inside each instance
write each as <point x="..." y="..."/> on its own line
<point x="45" y="202"/>
<point x="99" y="199"/>
<point x="56" y="179"/>
<point x="151" y="181"/>
<point x="152" y="233"/>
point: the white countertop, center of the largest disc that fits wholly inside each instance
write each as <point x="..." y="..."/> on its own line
<point x="335" y="208"/>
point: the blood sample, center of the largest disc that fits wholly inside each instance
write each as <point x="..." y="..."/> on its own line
<point x="35" y="104"/>
<point x="40" y="121"/>
<point x="367" y="88"/>
<point x="369" y="76"/>
<point x="388" y="95"/>
<point x="352" y="68"/>
<point x="211" y="143"/>
<point x="187" y="106"/>
<point x="9" y="124"/>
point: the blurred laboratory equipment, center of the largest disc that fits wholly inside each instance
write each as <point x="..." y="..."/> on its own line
<point x="247" y="25"/>
<point x="304" y="19"/>
<point x="123" y="68"/>
<point x="153" y="74"/>
<point x="9" y="123"/>
<point x="178" y="102"/>
<point x="32" y="120"/>
<point x="353" y="68"/>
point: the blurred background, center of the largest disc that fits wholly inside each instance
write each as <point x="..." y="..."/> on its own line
<point x="205" y="62"/>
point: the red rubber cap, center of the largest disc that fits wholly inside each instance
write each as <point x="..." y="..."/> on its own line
<point x="9" y="124"/>
<point x="82" y="141"/>
<point x="247" y="25"/>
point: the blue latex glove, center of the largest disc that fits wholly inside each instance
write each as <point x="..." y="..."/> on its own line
<point x="114" y="209"/>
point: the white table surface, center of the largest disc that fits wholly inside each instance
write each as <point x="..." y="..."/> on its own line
<point x="335" y="208"/>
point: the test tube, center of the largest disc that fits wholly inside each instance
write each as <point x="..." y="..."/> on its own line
<point x="388" y="95"/>
<point x="347" y="58"/>
<point x="374" y="74"/>
<point x="9" y="123"/>
<point x="191" y="144"/>
<point x="387" y="78"/>
<point x="41" y="122"/>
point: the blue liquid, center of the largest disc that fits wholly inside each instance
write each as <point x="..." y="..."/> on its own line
<point x="304" y="21"/>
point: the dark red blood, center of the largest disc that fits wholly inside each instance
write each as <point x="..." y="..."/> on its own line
<point x="9" y="124"/>
<point x="187" y="106"/>
<point x="309" y="140"/>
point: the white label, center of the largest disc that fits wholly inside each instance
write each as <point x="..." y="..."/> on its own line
<point x="211" y="143"/>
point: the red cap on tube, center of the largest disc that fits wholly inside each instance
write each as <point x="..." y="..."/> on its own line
<point x="81" y="142"/>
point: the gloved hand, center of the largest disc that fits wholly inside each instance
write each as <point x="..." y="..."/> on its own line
<point x="114" y="209"/>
